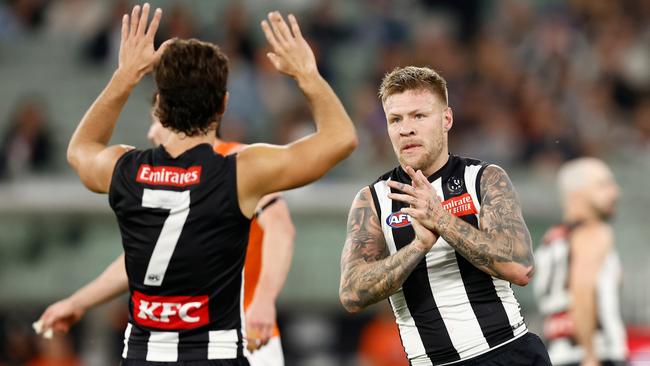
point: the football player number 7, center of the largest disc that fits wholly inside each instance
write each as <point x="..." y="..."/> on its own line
<point x="178" y="204"/>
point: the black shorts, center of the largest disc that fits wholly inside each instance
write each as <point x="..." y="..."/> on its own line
<point x="602" y="363"/>
<point x="231" y="362"/>
<point x="528" y="350"/>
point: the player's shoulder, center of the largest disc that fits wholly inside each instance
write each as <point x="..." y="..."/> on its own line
<point x="391" y="174"/>
<point x="555" y="234"/>
<point x="593" y="234"/>
<point x="594" y="228"/>
<point x="469" y="161"/>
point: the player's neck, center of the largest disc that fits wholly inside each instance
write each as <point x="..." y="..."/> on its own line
<point x="577" y="211"/>
<point x="177" y="144"/>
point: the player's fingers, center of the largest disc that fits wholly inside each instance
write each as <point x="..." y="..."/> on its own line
<point x="275" y="60"/>
<point x="280" y="27"/>
<point x="413" y="213"/>
<point x="422" y="179"/>
<point x="270" y="36"/>
<point x="125" y="28"/>
<point x="403" y="198"/>
<point x="61" y="327"/>
<point x="142" y="25"/>
<point x="414" y="177"/>
<point x="262" y="339"/>
<point x="406" y="188"/>
<point x="295" y="28"/>
<point x="134" y="20"/>
<point x="155" y="22"/>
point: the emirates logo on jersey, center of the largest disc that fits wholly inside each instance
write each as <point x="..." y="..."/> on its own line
<point x="169" y="175"/>
<point x="460" y="206"/>
<point x="170" y="312"/>
<point x="398" y="219"/>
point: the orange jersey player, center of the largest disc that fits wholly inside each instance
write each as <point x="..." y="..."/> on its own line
<point x="270" y="241"/>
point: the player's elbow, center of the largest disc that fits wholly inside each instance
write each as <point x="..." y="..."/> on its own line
<point x="349" y="304"/>
<point x="521" y="275"/>
<point x="72" y="155"/>
<point x="351" y="143"/>
<point x="345" y="143"/>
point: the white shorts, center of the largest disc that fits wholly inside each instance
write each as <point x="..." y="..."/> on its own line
<point x="269" y="355"/>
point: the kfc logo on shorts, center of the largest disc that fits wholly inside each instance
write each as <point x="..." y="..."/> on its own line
<point x="170" y="312"/>
<point x="460" y="206"/>
<point x="168" y="175"/>
<point x="398" y="219"/>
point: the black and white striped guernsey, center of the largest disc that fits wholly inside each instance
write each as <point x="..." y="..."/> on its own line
<point x="551" y="288"/>
<point x="447" y="310"/>
<point x="184" y="239"/>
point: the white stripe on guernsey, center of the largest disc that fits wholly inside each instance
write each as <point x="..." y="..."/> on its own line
<point x="408" y="332"/>
<point x="127" y="335"/>
<point x="222" y="345"/>
<point x="411" y="340"/>
<point x="471" y="173"/>
<point x="242" y="313"/>
<point x="543" y="273"/>
<point x="510" y="304"/>
<point x="451" y="298"/>
<point x="609" y="314"/>
<point x="162" y="346"/>
<point x="503" y="289"/>
<point x="421" y="361"/>
<point x="179" y="205"/>
<point x="560" y="294"/>
<point x="386" y="207"/>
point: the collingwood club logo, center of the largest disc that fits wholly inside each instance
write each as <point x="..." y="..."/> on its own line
<point x="455" y="185"/>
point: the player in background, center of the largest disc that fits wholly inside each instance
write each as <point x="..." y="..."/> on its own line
<point x="579" y="272"/>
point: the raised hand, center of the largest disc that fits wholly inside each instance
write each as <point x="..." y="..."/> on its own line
<point x="137" y="54"/>
<point x="291" y="54"/>
<point x="425" y="206"/>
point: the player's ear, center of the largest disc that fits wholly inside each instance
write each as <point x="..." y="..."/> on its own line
<point x="226" y="97"/>
<point x="447" y="119"/>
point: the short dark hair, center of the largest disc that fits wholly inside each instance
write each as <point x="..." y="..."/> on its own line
<point x="191" y="78"/>
<point x="406" y="78"/>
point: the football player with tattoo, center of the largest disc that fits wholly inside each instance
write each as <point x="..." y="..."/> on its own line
<point x="442" y="237"/>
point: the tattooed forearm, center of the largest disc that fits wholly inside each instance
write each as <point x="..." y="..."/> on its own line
<point x="368" y="273"/>
<point x="503" y="238"/>
<point x="363" y="284"/>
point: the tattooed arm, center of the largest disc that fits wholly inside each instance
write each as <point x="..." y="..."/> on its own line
<point x="502" y="247"/>
<point x="368" y="273"/>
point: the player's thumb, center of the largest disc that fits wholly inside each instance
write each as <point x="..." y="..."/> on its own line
<point x="275" y="60"/>
<point x="162" y="48"/>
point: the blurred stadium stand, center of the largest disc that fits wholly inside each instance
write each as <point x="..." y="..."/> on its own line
<point x="532" y="83"/>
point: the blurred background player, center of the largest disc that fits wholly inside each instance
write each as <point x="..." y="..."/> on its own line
<point x="268" y="259"/>
<point x="579" y="272"/>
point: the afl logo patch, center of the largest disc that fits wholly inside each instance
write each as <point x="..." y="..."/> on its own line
<point x="455" y="185"/>
<point x="398" y="219"/>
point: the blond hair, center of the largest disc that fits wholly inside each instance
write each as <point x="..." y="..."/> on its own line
<point x="406" y="78"/>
